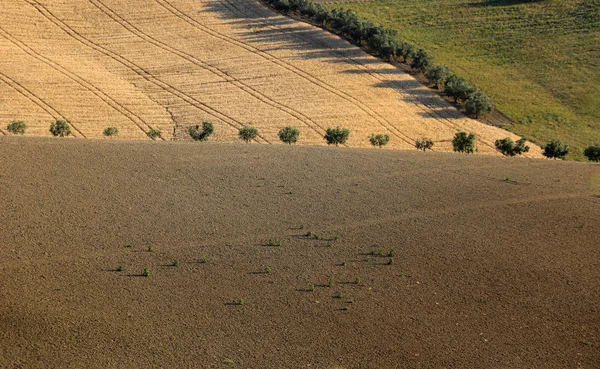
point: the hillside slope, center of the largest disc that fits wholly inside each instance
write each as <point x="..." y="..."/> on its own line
<point x="486" y="273"/>
<point x="168" y="64"/>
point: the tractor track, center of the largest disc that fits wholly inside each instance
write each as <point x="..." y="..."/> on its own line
<point x="206" y="66"/>
<point x="291" y="68"/>
<point x="136" y="68"/>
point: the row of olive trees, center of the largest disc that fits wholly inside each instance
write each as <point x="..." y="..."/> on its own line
<point x="384" y="42"/>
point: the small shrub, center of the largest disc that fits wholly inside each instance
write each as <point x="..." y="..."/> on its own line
<point x="120" y="268"/>
<point x="390" y="262"/>
<point x="344" y="263"/>
<point x="128" y="246"/>
<point x="204" y="260"/>
<point x="240" y="302"/>
<point x="201" y="134"/>
<point x="248" y="133"/>
<point x="60" y="128"/>
<point x="110" y="131"/>
<point x="311" y="288"/>
<point x="17" y="127"/>
<point x="154" y="133"/>
<point x="392" y="253"/>
<point x="336" y="136"/>
<point x="592" y="153"/>
<point x="330" y="284"/>
<point x="464" y="143"/>
<point x="268" y="270"/>
<point x="507" y="147"/>
<point x="357" y="280"/>
<point x="379" y="140"/>
<point x="175" y="263"/>
<point x="424" y="143"/>
<point x="289" y="135"/>
<point x="339" y="296"/>
<point x="555" y="149"/>
<point x="146" y="272"/>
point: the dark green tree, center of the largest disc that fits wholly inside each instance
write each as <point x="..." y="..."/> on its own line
<point x="248" y="133"/>
<point x="458" y="88"/>
<point x="336" y="136"/>
<point x="201" y="134"/>
<point x="17" y="127"/>
<point x="508" y="147"/>
<point x="379" y="140"/>
<point x="422" y="61"/>
<point x="60" y="128"/>
<point x="289" y="135"/>
<point x="592" y="152"/>
<point x="424" y="143"/>
<point x="478" y="104"/>
<point x="439" y="75"/>
<point x="464" y="143"/>
<point x="555" y="149"/>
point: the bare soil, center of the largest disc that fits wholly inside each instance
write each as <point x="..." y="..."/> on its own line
<point x="495" y="260"/>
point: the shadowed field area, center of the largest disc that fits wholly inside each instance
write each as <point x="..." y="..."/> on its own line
<point x="494" y="261"/>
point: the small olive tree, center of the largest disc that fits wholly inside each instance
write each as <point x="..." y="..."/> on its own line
<point x="154" y="133"/>
<point x="422" y="61"/>
<point x="17" y="127"/>
<point x="439" y="75"/>
<point x="592" y="153"/>
<point x="424" y="143"/>
<point x="509" y="148"/>
<point x="111" y="131"/>
<point x="464" y="142"/>
<point x="555" y="149"/>
<point x="289" y="135"/>
<point x="248" y="133"/>
<point x="60" y="128"/>
<point x="379" y="140"/>
<point x="201" y="134"/>
<point x="478" y="104"/>
<point x="336" y="136"/>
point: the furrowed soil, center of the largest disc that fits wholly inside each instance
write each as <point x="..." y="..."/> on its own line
<point x="495" y="260"/>
<point x="169" y="64"/>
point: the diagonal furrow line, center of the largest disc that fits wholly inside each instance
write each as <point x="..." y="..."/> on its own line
<point x="33" y="98"/>
<point x="391" y="127"/>
<point x="135" y="68"/>
<point x="290" y="67"/>
<point x="36" y="99"/>
<point x="377" y="76"/>
<point x="213" y="69"/>
<point x="77" y="79"/>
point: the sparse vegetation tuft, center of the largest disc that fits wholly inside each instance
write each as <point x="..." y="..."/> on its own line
<point x="248" y="133"/>
<point x="464" y="143"/>
<point x="337" y="136"/>
<point x="17" y="127"/>
<point x="201" y="133"/>
<point x="146" y="272"/>
<point x="110" y="131"/>
<point x="60" y="128"/>
<point x="289" y="135"/>
<point x="273" y="242"/>
<point x="154" y="133"/>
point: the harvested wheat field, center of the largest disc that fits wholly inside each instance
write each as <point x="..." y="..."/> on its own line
<point x="294" y="257"/>
<point x="169" y="64"/>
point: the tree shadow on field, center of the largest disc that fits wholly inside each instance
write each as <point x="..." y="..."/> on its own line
<point x="483" y="4"/>
<point x="260" y="27"/>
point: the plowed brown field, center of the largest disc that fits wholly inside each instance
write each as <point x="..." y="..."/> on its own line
<point x="168" y="64"/>
<point x="486" y="273"/>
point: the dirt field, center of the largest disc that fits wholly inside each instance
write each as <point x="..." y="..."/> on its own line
<point x="168" y="64"/>
<point x="495" y="260"/>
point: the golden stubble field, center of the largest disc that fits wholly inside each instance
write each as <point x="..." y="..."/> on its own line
<point x="168" y="64"/>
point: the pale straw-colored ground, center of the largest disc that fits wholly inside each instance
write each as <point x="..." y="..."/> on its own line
<point x="168" y="64"/>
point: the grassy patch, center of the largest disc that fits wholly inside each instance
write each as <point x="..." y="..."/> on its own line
<point x="539" y="61"/>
